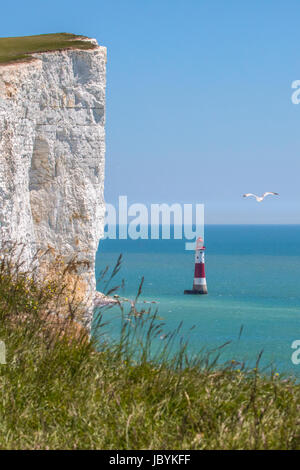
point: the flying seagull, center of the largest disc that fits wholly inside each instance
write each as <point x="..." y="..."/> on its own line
<point x="260" y="198"/>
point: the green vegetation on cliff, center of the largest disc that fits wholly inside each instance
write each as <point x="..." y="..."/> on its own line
<point x="59" y="392"/>
<point x="21" y="48"/>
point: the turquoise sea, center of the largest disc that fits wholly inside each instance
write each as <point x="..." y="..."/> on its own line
<point x="253" y="279"/>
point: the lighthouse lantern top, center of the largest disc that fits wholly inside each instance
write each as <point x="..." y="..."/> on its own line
<point x="200" y="244"/>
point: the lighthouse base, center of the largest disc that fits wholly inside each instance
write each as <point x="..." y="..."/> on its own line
<point x="196" y="292"/>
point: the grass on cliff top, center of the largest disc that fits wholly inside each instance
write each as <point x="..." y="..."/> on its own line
<point x="59" y="392"/>
<point x="20" y="48"/>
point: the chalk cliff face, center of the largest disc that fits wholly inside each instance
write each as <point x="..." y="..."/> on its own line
<point x="52" y="149"/>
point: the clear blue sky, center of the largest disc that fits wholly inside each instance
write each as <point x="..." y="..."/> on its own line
<point x="198" y="98"/>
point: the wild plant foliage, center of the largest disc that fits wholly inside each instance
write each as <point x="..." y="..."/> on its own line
<point x="61" y="389"/>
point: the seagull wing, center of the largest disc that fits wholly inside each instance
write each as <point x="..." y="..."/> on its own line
<point x="250" y="194"/>
<point x="270" y="193"/>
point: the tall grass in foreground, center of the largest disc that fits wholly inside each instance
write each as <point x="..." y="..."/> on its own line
<point x="59" y="392"/>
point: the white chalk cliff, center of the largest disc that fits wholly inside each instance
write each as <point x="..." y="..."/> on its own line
<point x="52" y="151"/>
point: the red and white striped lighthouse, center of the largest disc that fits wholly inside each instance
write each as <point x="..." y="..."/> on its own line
<point x="199" y="284"/>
